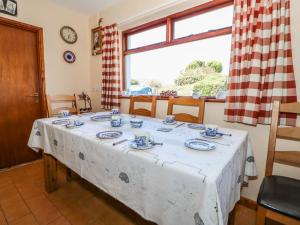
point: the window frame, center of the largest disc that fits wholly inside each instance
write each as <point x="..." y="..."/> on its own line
<point x="169" y="22"/>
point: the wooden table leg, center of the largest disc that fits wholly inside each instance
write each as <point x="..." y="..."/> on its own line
<point x="231" y="219"/>
<point x="68" y="174"/>
<point x="50" y="172"/>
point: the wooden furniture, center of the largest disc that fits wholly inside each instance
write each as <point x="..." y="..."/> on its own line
<point x="62" y="99"/>
<point x="142" y="111"/>
<point x="22" y="89"/>
<point x="278" y="197"/>
<point x="187" y="101"/>
<point x="87" y="157"/>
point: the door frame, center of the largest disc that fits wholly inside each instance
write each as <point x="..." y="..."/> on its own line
<point x="40" y="57"/>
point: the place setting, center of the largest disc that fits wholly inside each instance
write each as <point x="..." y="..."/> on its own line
<point x="143" y="141"/>
<point x="207" y="142"/>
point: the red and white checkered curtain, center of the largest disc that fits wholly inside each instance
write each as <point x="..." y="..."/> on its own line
<point x="110" y="68"/>
<point x="261" y="68"/>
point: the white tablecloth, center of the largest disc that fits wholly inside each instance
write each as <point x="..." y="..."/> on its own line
<point x="169" y="184"/>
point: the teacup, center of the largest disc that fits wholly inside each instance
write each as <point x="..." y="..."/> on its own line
<point x="211" y="130"/>
<point x="136" y="123"/>
<point x="116" y="121"/>
<point x="142" y="139"/>
<point x="63" y="113"/>
<point x="115" y="111"/>
<point x="170" y="119"/>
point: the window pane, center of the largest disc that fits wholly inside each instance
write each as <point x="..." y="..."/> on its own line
<point x="148" y="37"/>
<point x="213" y="20"/>
<point x="200" y="65"/>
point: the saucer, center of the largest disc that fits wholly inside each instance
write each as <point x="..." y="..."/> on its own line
<point x="196" y="126"/>
<point x="133" y="145"/>
<point x="168" y="123"/>
<point x="101" y="118"/>
<point x="199" y="145"/>
<point x="61" y="122"/>
<point x="211" y="137"/>
<point x="109" y="134"/>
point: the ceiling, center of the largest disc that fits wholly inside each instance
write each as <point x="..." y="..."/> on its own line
<point x="88" y="7"/>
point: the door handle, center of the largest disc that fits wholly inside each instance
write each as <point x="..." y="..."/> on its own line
<point x="36" y="97"/>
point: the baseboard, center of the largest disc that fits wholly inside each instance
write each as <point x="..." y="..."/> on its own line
<point x="249" y="203"/>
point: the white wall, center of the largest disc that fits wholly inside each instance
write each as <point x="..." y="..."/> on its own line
<point x="130" y="13"/>
<point x="61" y="77"/>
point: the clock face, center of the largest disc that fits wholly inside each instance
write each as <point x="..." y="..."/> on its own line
<point x="68" y="34"/>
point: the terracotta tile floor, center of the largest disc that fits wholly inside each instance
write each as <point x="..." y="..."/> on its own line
<point x="23" y="201"/>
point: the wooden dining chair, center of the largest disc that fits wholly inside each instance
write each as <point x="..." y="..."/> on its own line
<point x="187" y="101"/>
<point x="142" y="111"/>
<point x="69" y="100"/>
<point x="279" y="197"/>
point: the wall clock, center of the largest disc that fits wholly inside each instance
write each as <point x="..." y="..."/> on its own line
<point x="69" y="56"/>
<point x="68" y="34"/>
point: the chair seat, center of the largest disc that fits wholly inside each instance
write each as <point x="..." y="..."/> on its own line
<point x="280" y="194"/>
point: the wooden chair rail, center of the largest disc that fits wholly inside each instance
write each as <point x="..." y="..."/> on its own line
<point x="62" y="98"/>
<point x="288" y="132"/>
<point x="184" y="117"/>
<point x="291" y="158"/>
<point x="142" y="98"/>
<point x="187" y="101"/>
<point x="142" y="111"/>
<point x="71" y="110"/>
<point x="74" y="109"/>
<point x="290" y="108"/>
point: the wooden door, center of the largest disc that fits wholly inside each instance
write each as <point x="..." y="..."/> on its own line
<point x="21" y="90"/>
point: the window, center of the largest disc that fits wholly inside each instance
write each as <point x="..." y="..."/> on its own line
<point x="186" y="52"/>
<point x="148" y="37"/>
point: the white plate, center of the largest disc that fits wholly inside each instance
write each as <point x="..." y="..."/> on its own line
<point x="199" y="145"/>
<point x="196" y="126"/>
<point x="101" y="118"/>
<point x="211" y="137"/>
<point x="133" y="145"/>
<point x="109" y="134"/>
<point x="167" y="123"/>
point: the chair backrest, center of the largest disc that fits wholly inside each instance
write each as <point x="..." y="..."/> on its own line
<point x="291" y="158"/>
<point x="71" y="100"/>
<point x="187" y="101"/>
<point x="142" y="111"/>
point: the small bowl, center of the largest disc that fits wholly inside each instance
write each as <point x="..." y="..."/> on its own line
<point x="136" y="123"/>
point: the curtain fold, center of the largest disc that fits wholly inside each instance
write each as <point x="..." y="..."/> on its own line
<point x="110" y="97"/>
<point x="261" y="69"/>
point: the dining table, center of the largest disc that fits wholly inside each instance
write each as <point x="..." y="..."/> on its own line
<point x="169" y="184"/>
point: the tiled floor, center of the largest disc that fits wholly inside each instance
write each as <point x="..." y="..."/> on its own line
<point x="23" y="201"/>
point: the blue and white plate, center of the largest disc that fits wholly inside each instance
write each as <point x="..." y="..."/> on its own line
<point x="133" y="145"/>
<point x="109" y="134"/>
<point x="199" y="145"/>
<point x="101" y="117"/>
<point x="196" y="126"/>
<point x="74" y="124"/>
<point x="169" y="123"/>
<point x="87" y="113"/>
<point x="218" y="135"/>
<point x="61" y="122"/>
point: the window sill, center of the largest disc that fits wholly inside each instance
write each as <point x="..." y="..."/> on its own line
<point x="207" y="99"/>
